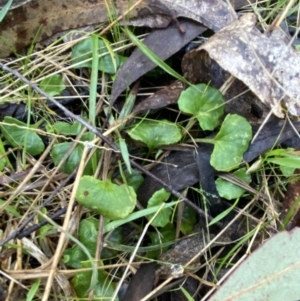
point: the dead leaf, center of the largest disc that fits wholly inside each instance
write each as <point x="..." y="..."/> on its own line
<point x="179" y="169"/>
<point x="269" y="273"/>
<point x="266" y="63"/>
<point x="214" y="14"/>
<point x="162" y="98"/>
<point x="141" y="283"/>
<point x="275" y="132"/>
<point x="163" y="43"/>
<point x="41" y="19"/>
<point x="290" y="204"/>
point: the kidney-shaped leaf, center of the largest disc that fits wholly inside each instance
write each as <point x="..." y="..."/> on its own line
<point x="53" y="85"/>
<point x="229" y="190"/>
<point x="230" y="143"/>
<point x="270" y="273"/>
<point x="111" y="200"/>
<point x="18" y="134"/>
<point x="65" y="128"/>
<point x="103" y="290"/>
<point x="163" y="217"/>
<point x="203" y="102"/>
<point x="156" y="133"/>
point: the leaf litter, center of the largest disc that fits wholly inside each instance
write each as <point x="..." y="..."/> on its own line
<point x="274" y="77"/>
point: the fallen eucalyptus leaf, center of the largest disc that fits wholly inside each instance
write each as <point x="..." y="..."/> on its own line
<point x="267" y="63"/>
<point x="45" y="18"/>
<point x="41" y="19"/>
<point x="270" y="273"/>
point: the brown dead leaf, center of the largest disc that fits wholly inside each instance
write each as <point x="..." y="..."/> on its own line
<point x="41" y="19"/>
<point x="266" y="63"/>
<point x="214" y="14"/>
<point x="163" y="43"/>
<point x="291" y="205"/>
<point x="162" y="98"/>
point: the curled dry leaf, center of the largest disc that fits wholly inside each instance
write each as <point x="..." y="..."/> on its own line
<point x="266" y="63"/>
<point x="41" y="19"/>
<point x="162" y="98"/>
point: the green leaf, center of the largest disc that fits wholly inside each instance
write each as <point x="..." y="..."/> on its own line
<point x="163" y="217"/>
<point x="111" y="200"/>
<point x="287" y="171"/>
<point x="188" y="221"/>
<point x="88" y="235"/>
<point x="73" y="257"/>
<point x="230" y="143"/>
<point x="135" y="179"/>
<point x="204" y="103"/>
<point x="4" y="158"/>
<point x="58" y="152"/>
<point x="108" y="60"/>
<point x="115" y="237"/>
<point x="135" y="215"/>
<point x="65" y="128"/>
<point x="33" y="290"/>
<point x="53" y="85"/>
<point x="270" y="273"/>
<point x="103" y="290"/>
<point x="229" y="190"/>
<point x="156" y="133"/>
<point x="165" y="235"/>
<point x="292" y="161"/>
<point x="22" y="137"/>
